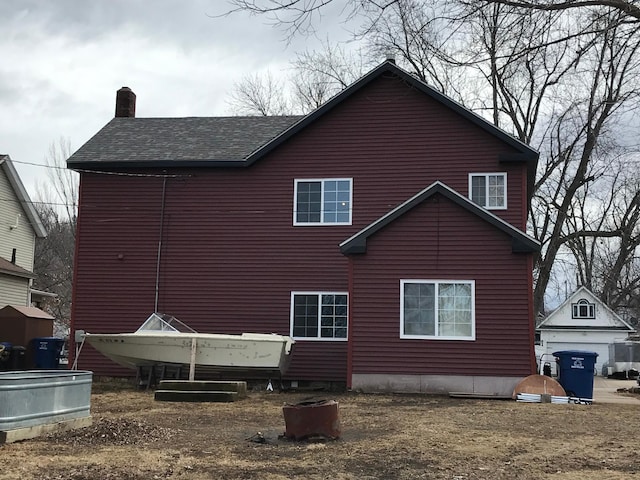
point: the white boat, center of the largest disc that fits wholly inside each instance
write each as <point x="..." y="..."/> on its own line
<point x="163" y="339"/>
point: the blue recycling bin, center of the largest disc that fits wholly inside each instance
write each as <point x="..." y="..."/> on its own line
<point x="47" y="352"/>
<point x="576" y="369"/>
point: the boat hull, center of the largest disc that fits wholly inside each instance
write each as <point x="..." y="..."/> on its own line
<point x="246" y="352"/>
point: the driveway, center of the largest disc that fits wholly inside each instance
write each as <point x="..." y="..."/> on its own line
<point x="605" y="391"/>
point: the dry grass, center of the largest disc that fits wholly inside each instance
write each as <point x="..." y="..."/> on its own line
<point x="384" y="437"/>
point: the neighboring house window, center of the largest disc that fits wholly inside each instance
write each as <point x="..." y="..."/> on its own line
<point x="319" y="316"/>
<point x="323" y="202"/>
<point x="583" y="309"/>
<point x="437" y="309"/>
<point x="488" y="190"/>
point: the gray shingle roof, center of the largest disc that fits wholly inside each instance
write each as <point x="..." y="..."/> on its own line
<point x="137" y="142"/>
<point x="240" y="141"/>
<point x="9" y="268"/>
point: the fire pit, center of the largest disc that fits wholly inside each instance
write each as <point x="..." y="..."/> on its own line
<point x="312" y="419"/>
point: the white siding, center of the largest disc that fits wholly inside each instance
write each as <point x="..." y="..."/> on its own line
<point x="14" y="291"/>
<point x="22" y="238"/>
<point x="553" y="341"/>
<point x="562" y="316"/>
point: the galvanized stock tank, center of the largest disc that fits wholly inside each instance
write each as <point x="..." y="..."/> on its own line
<point x="39" y="397"/>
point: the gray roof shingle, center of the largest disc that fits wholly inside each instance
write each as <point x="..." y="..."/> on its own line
<point x="137" y="142"/>
<point x="9" y="268"/>
<point x="239" y="141"/>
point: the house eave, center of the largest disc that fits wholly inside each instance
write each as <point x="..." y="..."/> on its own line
<point x="23" y="196"/>
<point x="13" y="273"/>
<point x="586" y="328"/>
<point x="521" y="242"/>
<point x="92" y="167"/>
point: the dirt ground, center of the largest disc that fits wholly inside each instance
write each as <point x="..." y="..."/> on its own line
<point x="383" y="437"/>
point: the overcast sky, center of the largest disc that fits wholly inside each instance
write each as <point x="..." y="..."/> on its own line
<point x="62" y="62"/>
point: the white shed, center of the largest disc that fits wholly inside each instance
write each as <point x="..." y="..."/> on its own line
<point x="582" y="322"/>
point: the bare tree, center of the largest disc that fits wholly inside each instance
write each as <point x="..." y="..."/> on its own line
<point x="53" y="261"/>
<point x="628" y="8"/>
<point x="561" y="79"/>
<point x="62" y="185"/>
<point x="576" y="143"/>
<point x="321" y="74"/>
<point x="57" y="205"/>
<point x="315" y="77"/>
<point x="260" y="95"/>
<point x="301" y="16"/>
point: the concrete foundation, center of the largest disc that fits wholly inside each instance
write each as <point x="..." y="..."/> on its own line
<point x="26" y="433"/>
<point x="435" y="384"/>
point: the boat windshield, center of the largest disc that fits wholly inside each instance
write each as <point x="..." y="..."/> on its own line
<point x="161" y="322"/>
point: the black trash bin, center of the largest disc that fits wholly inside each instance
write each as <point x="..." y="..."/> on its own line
<point x="18" y="359"/>
<point x="576" y="369"/>
<point x="5" y="355"/>
<point x="46" y="352"/>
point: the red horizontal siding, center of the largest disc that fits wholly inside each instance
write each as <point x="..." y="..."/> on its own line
<point x="454" y="245"/>
<point x="230" y="255"/>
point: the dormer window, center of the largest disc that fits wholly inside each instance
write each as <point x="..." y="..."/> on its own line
<point x="489" y="190"/>
<point x="583" y="309"/>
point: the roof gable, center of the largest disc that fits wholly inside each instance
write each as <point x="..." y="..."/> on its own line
<point x="604" y="317"/>
<point x="21" y="194"/>
<point x="241" y="141"/>
<point x="525" y="152"/>
<point x="522" y="243"/>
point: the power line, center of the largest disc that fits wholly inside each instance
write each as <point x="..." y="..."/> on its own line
<point x="100" y="172"/>
<point x="52" y="204"/>
<point x="39" y="165"/>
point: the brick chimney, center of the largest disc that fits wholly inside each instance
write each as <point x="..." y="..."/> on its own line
<point x="125" y="103"/>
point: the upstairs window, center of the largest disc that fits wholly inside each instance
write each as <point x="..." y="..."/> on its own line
<point x="489" y="190"/>
<point x="323" y="202"/>
<point x="583" y="310"/>
<point x="437" y="309"/>
<point x="319" y="316"/>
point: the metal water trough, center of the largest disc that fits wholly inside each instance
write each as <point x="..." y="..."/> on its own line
<point x="33" y="399"/>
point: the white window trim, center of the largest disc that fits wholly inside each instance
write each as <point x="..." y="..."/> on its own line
<point x="318" y="338"/>
<point x="321" y="223"/>
<point x="575" y="309"/>
<point x="472" y="337"/>
<point x="486" y="176"/>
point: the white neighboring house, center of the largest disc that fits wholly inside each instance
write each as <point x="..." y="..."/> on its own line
<point x="582" y="322"/>
<point x="20" y="225"/>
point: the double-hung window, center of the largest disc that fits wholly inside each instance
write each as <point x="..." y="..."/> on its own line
<point x="323" y="202"/>
<point x="489" y="190"/>
<point x="319" y="315"/>
<point x="437" y="309"/>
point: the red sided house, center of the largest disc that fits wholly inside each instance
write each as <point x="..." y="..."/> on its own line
<point x="383" y="231"/>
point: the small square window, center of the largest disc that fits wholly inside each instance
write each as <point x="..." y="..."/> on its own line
<point x="322" y="202"/>
<point x="488" y="190"/>
<point x="319" y="316"/>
